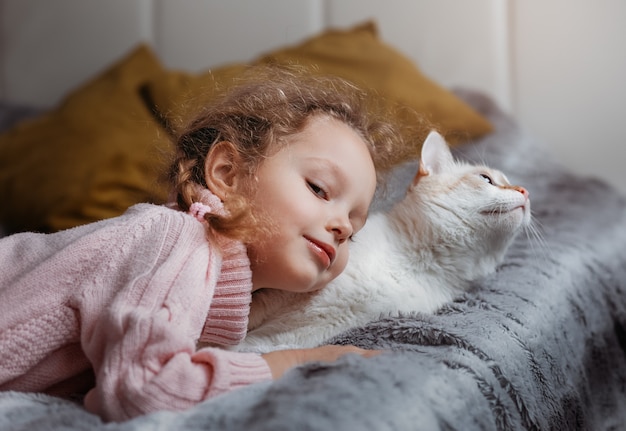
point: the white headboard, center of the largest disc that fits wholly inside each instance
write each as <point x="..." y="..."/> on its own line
<point x="563" y="81"/>
<point x="50" y="46"/>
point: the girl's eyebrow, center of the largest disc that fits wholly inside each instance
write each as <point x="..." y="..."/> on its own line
<point x="331" y="166"/>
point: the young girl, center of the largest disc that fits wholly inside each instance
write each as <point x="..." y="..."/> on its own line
<point x="271" y="182"/>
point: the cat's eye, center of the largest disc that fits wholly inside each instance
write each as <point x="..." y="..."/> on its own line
<point x="487" y="178"/>
<point x="317" y="190"/>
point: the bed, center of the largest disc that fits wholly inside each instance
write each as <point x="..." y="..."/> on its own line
<point x="539" y="345"/>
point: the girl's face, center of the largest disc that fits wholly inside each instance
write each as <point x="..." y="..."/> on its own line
<point x="317" y="190"/>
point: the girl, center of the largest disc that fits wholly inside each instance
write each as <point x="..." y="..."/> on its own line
<point x="271" y="182"/>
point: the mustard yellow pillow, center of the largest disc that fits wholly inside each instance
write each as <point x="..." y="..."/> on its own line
<point x="92" y="157"/>
<point x="356" y="54"/>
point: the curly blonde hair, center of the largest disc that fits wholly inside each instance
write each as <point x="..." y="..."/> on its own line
<point x="256" y="115"/>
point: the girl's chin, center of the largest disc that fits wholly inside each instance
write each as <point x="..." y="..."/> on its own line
<point x="303" y="276"/>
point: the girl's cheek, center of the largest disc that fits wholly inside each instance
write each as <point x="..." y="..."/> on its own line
<point x="342" y="258"/>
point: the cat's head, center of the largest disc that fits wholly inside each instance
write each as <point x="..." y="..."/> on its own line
<point x="462" y="207"/>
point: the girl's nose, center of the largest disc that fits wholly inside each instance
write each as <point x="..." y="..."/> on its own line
<point x="342" y="229"/>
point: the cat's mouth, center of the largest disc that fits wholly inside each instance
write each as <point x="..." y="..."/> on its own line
<point x="500" y="210"/>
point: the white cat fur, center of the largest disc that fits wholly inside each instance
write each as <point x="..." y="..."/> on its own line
<point x="453" y="227"/>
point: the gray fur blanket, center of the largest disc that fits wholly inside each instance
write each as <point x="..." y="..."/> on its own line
<point x="540" y="345"/>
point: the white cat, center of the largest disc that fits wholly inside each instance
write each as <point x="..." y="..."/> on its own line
<point x="453" y="227"/>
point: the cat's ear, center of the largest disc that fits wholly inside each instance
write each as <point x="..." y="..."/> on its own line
<point x="436" y="155"/>
<point x="421" y="172"/>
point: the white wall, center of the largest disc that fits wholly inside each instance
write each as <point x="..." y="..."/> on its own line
<point x="48" y="47"/>
<point x="556" y="65"/>
<point x="570" y="80"/>
<point x="196" y="34"/>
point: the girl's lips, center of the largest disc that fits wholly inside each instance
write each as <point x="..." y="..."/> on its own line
<point x="325" y="252"/>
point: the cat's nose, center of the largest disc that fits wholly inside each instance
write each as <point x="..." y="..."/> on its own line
<point x="523" y="191"/>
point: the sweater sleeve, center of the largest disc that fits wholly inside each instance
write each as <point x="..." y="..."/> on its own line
<point x="143" y="346"/>
<point x="166" y="374"/>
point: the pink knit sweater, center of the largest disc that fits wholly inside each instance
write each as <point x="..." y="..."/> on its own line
<point x="128" y="297"/>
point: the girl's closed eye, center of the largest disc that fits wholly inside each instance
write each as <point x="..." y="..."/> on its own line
<point x="317" y="190"/>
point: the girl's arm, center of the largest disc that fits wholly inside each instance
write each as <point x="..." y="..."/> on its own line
<point x="141" y="339"/>
<point x="282" y="360"/>
<point x="154" y="366"/>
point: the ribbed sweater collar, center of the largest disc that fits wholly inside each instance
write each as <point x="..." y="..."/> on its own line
<point x="227" y="320"/>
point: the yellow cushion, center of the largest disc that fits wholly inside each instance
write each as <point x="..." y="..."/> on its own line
<point x="91" y="158"/>
<point x="356" y="54"/>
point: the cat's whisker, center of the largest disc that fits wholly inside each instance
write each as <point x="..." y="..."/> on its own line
<point x="491" y="209"/>
<point x="536" y="240"/>
<point x="481" y="159"/>
<point x="477" y="156"/>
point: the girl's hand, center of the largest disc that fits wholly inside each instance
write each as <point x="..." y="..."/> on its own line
<point x="280" y="361"/>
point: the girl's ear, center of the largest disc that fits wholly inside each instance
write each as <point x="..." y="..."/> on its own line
<point x="220" y="169"/>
